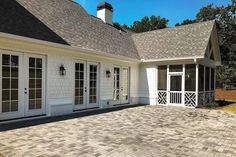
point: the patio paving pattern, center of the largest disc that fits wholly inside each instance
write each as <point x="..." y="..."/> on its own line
<point x="147" y="131"/>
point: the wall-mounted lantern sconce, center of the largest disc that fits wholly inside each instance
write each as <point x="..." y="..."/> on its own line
<point x="108" y="73"/>
<point x="62" y="70"/>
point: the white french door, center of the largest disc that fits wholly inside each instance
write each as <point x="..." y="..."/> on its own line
<point x="121" y="85"/>
<point x="34" y="89"/>
<point x="21" y="85"/>
<point x="86" y="85"/>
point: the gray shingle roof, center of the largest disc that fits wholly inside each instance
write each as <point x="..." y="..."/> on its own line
<point x="183" y="41"/>
<point x="74" y="25"/>
<point x="65" y="22"/>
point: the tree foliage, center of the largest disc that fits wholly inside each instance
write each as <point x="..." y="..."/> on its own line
<point x="148" y="24"/>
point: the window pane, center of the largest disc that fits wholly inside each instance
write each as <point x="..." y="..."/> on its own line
<point x="32" y="62"/>
<point x="176" y="68"/>
<point x="207" y="81"/>
<point x="31" y="73"/>
<point x="201" y="78"/>
<point x="31" y="83"/>
<point x="14" y="72"/>
<point x="176" y="83"/>
<point x="6" y="60"/>
<point x="14" y="83"/>
<point x="14" y="60"/>
<point x="5" y="95"/>
<point x="5" y="71"/>
<point x="39" y="63"/>
<point x="38" y="104"/>
<point x="31" y="94"/>
<point x="190" y="77"/>
<point x="212" y="79"/>
<point x="38" y="83"/>
<point x="39" y="73"/>
<point x="38" y="93"/>
<point x="31" y="104"/>
<point x="5" y="83"/>
<point x="14" y="106"/>
<point x="162" y="77"/>
<point x="6" y="106"/>
<point x="81" y="67"/>
<point x="14" y="94"/>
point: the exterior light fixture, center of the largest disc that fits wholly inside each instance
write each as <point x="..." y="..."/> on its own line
<point x="62" y="70"/>
<point x="108" y="73"/>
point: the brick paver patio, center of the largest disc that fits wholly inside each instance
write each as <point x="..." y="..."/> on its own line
<point x="134" y="132"/>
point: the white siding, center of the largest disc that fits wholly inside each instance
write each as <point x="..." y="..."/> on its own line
<point x="148" y="83"/>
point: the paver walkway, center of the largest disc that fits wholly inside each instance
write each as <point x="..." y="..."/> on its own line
<point x="134" y="132"/>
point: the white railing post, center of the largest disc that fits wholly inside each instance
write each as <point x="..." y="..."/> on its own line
<point x="197" y="77"/>
<point x="168" y="86"/>
<point x="183" y="85"/>
<point x="204" y="86"/>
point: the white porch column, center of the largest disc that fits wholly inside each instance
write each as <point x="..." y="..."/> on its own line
<point x="197" y="78"/>
<point x="183" y="85"/>
<point x="204" y="89"/>
<point x="168" y="85"/>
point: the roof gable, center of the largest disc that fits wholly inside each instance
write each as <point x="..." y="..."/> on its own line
<point x="178" y="42"/>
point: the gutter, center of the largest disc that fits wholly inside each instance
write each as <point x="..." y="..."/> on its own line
<point x="196" y="58"/>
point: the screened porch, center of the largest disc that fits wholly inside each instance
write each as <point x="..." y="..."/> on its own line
<point x="191" y="85"/>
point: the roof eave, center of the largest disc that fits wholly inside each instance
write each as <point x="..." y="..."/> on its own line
<point x="68" y="47"/>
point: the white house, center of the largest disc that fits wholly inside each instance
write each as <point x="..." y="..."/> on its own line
<point x="57" y="59"/>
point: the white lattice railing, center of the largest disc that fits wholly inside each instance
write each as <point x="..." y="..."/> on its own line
<point x="162" y="97"/>
<point x="190" y="99"/>
<point x="175" y="97"/>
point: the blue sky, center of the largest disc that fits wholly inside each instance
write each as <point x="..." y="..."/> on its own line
<point x="128" y="11"/>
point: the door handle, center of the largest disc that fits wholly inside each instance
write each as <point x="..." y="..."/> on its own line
<point x="25" y="90"/>
<point x="85" y="89"/>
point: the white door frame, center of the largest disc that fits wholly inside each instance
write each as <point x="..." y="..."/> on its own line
<point x="34" y="112"/>
<point x="86" y="88"/>
<point x="121" y="86"/>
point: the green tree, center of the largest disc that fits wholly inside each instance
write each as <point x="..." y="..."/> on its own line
<point x="149" y="24"/>
<point x="207" y="13"/>
<point x="186" y="22"/>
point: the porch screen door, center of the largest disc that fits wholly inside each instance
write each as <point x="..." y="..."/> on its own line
<point x="176" y="89"/>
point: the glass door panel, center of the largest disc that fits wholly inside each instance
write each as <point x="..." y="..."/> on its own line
<point x="92" y="84"/>
<point x="125" y="85"/>
<point x="34" y="90"/>
<point x="10" y="83"/>
<point x="116" y="86"/>
<point x="80" y="77"/>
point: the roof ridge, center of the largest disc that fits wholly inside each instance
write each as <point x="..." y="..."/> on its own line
<point x="176" y="27"/>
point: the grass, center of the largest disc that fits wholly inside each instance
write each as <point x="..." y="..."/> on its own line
<point x="226" y="105"/>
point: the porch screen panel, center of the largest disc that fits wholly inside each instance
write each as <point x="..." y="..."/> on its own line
<point x="162" y="77"/>
<point x="212" y="79"/>
<point x="201" y="78"/>
<point x="176" y="68"/>
<point x="207" y="79"/>
<point x="10" y="83"/>
<point x="190" y="77"/>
